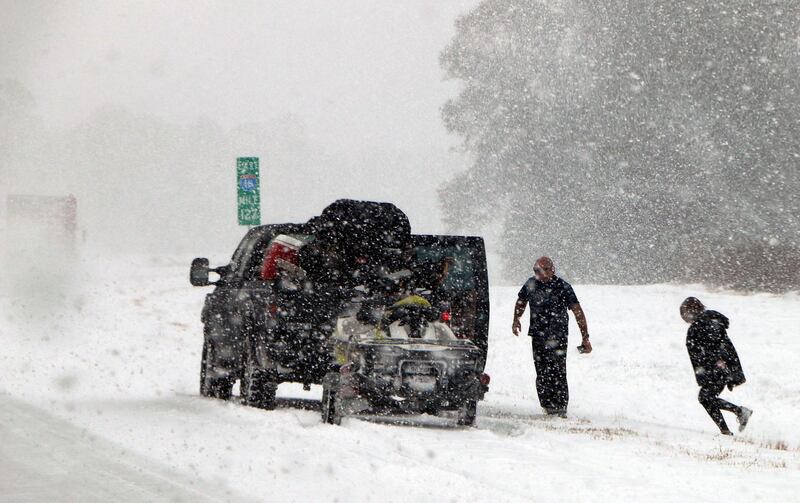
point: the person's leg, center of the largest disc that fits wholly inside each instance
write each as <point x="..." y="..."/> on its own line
<point x="540" y="365"/>
<point x="709" y="399"/>
<point x="551" y="378"/>
<point x="557" y="372"/>
<point x="726" y="405"/>
<point x="742" y="413"/>
<point x="563" y="385"/>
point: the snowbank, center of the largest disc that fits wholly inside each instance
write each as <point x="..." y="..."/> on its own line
<point x="118" y="357"/>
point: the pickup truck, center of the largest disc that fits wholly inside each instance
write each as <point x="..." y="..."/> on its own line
<point x="275" y="305"/>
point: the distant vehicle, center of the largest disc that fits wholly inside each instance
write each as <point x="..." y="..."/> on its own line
<point x="405" y="359"/>
<point x="277" y="303"/>
<point x="42" y="226"/>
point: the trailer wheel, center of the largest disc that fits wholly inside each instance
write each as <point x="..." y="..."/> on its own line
<point x="329" y="407"/>
<point x="467" y="413"/>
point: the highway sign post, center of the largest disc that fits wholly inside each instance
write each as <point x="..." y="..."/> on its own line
<point x="248" y="192"/>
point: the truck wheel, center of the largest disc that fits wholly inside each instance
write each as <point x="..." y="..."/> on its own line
<point x="329" y="407"/>
<point x="467" y="413"/>
<point x="210" y="386"/>
<point x="257" y="388"/>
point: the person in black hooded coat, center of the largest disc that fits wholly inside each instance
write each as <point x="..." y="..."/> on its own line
<point x="715" y="361"/>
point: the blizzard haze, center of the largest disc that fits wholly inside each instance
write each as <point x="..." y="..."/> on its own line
<point x="140" y="109"/>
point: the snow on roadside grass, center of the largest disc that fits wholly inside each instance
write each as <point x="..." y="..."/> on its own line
<point x="121" y="360"/>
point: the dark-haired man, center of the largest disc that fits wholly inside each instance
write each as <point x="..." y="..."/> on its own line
<point x="715" y="362"/>
<point x="549" y="298"/>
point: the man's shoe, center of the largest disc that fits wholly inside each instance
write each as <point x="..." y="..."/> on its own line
<point x="743" y="417"/>
<point x="556" y="412"/>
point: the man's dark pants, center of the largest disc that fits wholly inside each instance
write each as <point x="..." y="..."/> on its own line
<point x="550" y="360"/>
<point x="714" y="405"/>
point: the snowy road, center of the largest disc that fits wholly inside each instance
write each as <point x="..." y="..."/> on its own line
<point x="115" y="358"/>
<point x="43" y="458"/>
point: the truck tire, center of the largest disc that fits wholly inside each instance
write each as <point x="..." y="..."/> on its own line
<point x="257" y="389"/>
<point x="467" y="413"/>
<point x="329" y="406"/>
<point x="210" y="386"/>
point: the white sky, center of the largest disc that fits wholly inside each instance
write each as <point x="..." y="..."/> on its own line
<point x="352" y="68"/>
<point x="360" y="75"/>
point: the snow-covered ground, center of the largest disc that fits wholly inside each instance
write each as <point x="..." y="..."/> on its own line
<point x="101" y="371"/>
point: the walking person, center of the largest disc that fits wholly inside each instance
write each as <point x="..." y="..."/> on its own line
<point x="549" y="298"/>
<point x="715" y="362"/>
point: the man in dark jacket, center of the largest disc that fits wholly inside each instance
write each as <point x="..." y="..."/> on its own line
<point x="549" y="298"/>
<point x="715" y="362"/>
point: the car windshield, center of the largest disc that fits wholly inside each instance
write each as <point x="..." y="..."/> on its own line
<point x="460" y="275"/>
<point x="245" y="248"/>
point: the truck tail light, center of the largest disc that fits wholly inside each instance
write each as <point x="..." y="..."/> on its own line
<point x="282" y="249"/>
<point x="485" y="379"/>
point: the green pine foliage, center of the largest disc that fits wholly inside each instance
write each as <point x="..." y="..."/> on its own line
<point x="632" y="141"/>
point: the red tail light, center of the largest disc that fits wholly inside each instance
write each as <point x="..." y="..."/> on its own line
<point x="485" y="379"/>
<point x="445" y="317"/>
<point x="273" y="310"/>
<point x="283" y="248"/>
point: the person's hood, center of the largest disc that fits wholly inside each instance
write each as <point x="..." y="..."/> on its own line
<point x="714" y="317"/>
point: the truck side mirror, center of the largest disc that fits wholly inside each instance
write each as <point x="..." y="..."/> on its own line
<point x="198" y="274"/>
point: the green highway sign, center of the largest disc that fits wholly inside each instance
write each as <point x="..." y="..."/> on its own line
<point x="248" y="191"/>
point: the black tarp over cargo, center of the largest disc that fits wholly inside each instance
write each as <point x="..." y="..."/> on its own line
<point x="351" y="238"/>
<point x="363" y="228"/>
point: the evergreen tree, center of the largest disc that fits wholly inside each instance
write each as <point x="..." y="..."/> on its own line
<point x="632" y="141"/>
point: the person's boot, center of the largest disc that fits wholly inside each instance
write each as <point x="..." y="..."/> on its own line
<point x="556" y="412"/>
<point x="726" y="432"/>
<point x="743" y="417"/>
